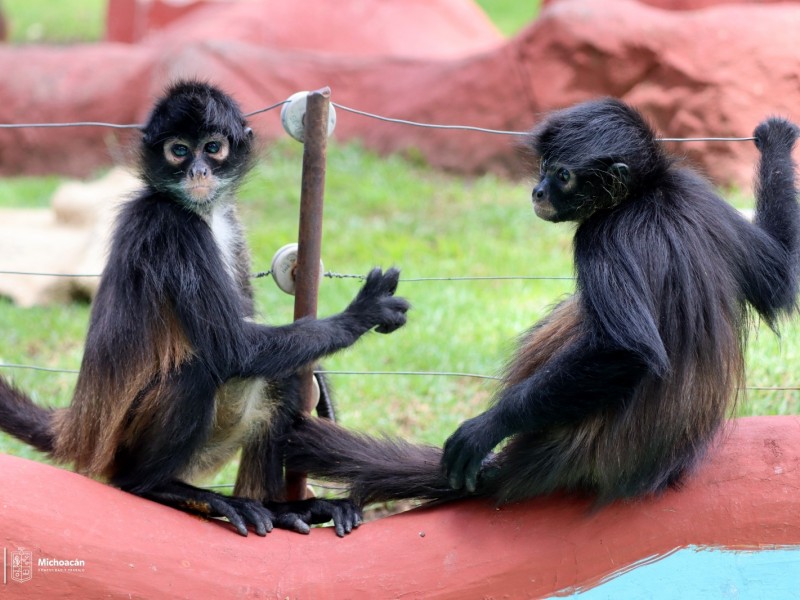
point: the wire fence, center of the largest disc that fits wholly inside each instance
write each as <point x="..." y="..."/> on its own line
<point x="335" y="275"/>
<point x="358" y="112"/>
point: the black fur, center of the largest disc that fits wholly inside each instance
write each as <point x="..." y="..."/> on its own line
<point x="620" y="391"/>
<point x="172" y="350"/>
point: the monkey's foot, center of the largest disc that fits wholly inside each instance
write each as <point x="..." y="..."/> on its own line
<point x="241" y="512"/>
<point x="301" y="514"/>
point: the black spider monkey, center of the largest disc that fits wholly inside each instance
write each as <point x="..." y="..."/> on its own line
<point x="175" y="376"/>
<point x="620" y="390"/>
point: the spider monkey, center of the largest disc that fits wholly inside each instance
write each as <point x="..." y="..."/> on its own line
<point x="176" y="377"/>
<point x="620" y="390"/>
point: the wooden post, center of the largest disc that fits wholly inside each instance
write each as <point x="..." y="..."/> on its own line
<point x="309" y="242"/>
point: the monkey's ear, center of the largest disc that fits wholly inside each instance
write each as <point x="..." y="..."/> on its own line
<point x="620" y="171"/>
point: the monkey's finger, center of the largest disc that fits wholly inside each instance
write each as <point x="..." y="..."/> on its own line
<point x="338" y="521"/>
<point x="454" y="469"/>
<point x="391" y="278"/>
<point x="260" y="519"/>
<point x="471" y="474"/>
<point x="292" y="521"/>
<point x="374" y="278"/>
<point x="349" y="518"/>
<point x="230" y="513"/>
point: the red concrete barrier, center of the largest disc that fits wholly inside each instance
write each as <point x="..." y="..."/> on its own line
<point x="84" y="539"/>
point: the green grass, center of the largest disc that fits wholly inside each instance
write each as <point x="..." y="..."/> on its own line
<point x="510" y="15"/>
<point x="60" y="21"/>
<point x="385" y="211"/>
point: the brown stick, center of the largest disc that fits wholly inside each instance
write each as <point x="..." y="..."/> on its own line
<point x="309" y="242"/>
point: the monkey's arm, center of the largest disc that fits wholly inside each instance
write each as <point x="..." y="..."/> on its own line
<point x="579" y="381"/>
<point x="280" y="351"/>
<point x="620" y="344"/>
<point x="771" y="246"/>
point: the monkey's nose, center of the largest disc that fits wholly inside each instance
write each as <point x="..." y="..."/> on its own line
<point x="198" y="172"/>
<point x="538" y="192"/>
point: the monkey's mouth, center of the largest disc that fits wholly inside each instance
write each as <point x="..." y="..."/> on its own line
<point x="544" y="209"/>
<point x="201" y="191"/>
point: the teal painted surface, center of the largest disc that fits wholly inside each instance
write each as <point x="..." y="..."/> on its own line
<point x="701" y="573"/>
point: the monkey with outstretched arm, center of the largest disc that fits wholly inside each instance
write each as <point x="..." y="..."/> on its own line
<point x="176" y="377"/>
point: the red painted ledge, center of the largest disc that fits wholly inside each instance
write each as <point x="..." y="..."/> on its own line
<point x="746" y="496"/>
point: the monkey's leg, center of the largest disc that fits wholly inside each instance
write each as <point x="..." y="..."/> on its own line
<point x="261" y="472"/>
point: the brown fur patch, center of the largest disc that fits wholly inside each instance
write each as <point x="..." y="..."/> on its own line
<point x="109" y="407"/>
<point x="556" y="331"/>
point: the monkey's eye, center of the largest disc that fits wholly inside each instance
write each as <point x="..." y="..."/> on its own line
<point x="213" y="147"/>
<point x="563" y="175"/>
<point x="180" y="150"/>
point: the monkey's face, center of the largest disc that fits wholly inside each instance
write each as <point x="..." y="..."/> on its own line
<point x="198" y="168"/>
<point x="567" y="194"/>
<point x="558" y="194"/>
<point x="195" y="170"/>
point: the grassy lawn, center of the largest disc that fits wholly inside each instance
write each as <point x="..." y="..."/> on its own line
<point x="64" y="21"/>
<point x="510" y="15"/>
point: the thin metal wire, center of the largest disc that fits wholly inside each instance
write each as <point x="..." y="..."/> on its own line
<point x="112" y="125"/>
<point x="707" y="139"/>
<point x="268" y="108"/>
<point x="76" y="124"/>
<point x="353" y="111"/>
<point x="395" y="373"/>
<point x="35" y="368"/>
<point x="38" y="274"/>
<point x="508" y="132"/>
<point x="426" y="125"/>
<point x="413" y="373"/>
<point x="334" y="275"/>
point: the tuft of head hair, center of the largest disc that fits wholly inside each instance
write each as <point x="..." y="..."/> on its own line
<point x="596" y="134"/>
<point x="196" y="108"/>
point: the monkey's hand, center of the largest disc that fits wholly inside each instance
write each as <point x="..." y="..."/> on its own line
<point x="376" y="305"/>
<point x="300" y="515"/>
<point x="776" y="133"/>
<point x="466" y="450"/>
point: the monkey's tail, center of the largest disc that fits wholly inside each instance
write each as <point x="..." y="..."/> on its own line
<point x="23" y="419"/>
<point x="374" y="469"/>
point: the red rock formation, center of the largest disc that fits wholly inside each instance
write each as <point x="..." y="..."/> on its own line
<point x="399" y="28"/>
<point x="715" y="72"/>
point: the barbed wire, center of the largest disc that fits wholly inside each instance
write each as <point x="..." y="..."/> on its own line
<point x="334" y="275"/>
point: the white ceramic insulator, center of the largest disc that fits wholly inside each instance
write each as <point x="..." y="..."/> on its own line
<point x="293" y="115"/>
<point x="283" y="267"/>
